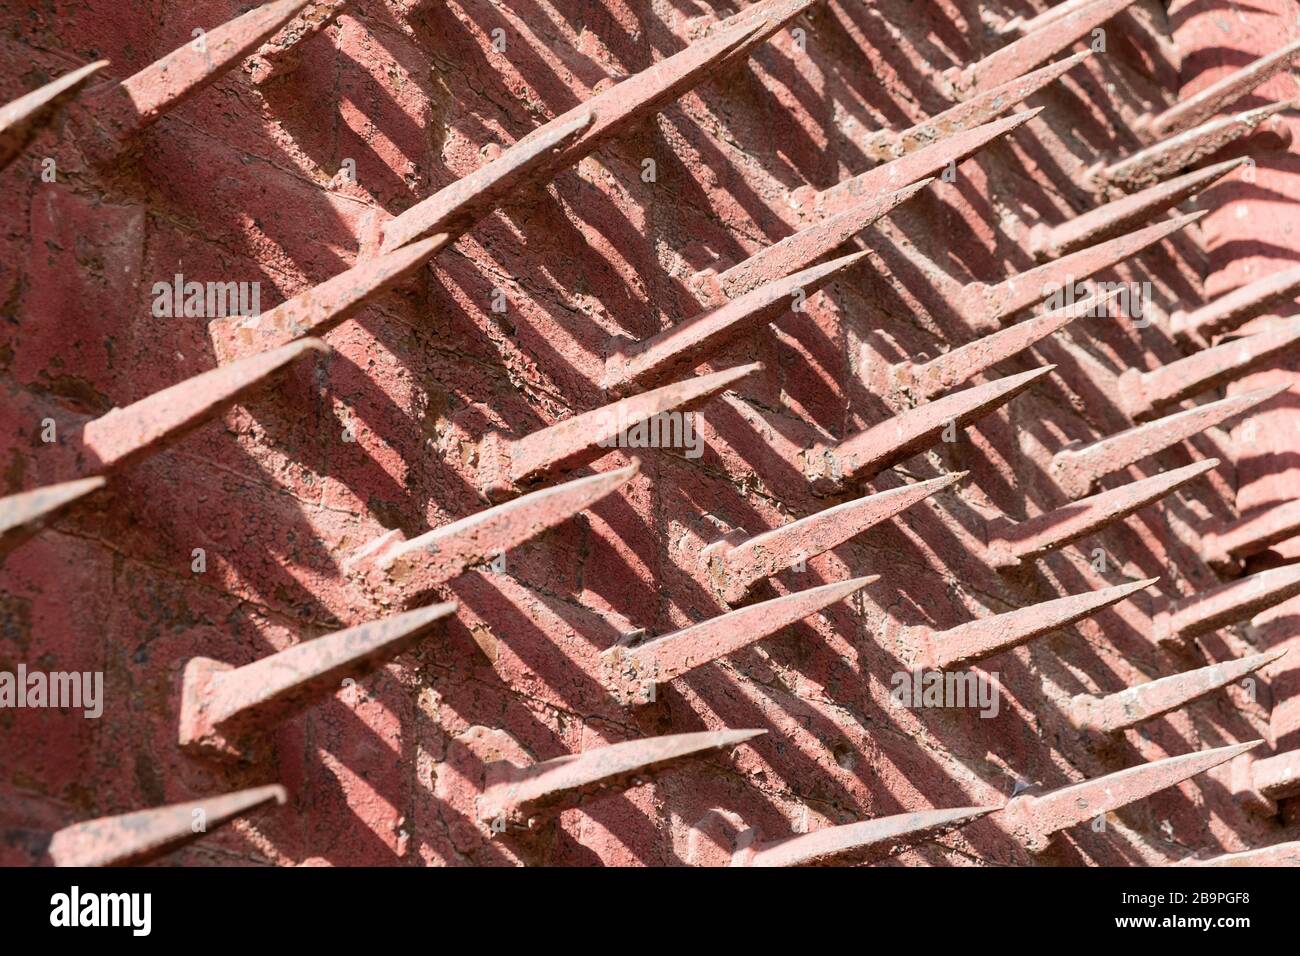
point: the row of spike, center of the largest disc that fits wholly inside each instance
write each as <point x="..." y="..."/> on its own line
<point x="526" y="795"/>
<point x="436" y="221"/>
<point x="513" y="462"/>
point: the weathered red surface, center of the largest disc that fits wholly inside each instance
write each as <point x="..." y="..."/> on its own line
<point x="317" y="500"/>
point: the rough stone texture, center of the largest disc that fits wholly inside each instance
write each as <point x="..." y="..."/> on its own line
<point x="242" y="183"/>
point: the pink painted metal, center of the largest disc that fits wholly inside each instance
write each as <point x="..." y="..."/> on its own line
<point x="24" y="514"/>
<point x="870" y="451"/>
<point x="20" y="119"/>
<point x="985" y="305"/>
<point x="1128" y="708"/>
<point x="322" y="307"/>
<point x="735" y="565"/>
<point x="1030" y="50"/>
<point x="1032" y="820"/>
<point x="516" y="796"/>
<point x="126" y="435"/>
<point x="631" y="670"/>
<point x="505" y="463"/>
<point x="986" y="637"/>
<point x="145" y="835"/>
<point x="1049" y="242"/>
<point x="939" y="375"/>
<point x="1078" y="469"/>
<point x="839" y="845"/>
<point x="1010" y="544"/>
<point x="1227" y="604"/>
<point x="1236" y="308"/>
<point x="396" y="569"/>
<point x="686" y="344"/>
<point x="224" y="708"/>
<point x="1143" y="394"/>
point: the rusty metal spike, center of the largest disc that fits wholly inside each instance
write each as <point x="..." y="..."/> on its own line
<point x="1048" y="242"/>
<point x="1277" y="777"/>
<point x="630" y="670"/>
<point x="322" y="307"/>
<point x="223" y="707"/>
<point x="1141" y="394"/>
<point x="1236" y="308"/>
<point x="876" y="448"/>
<point x="1030" y="50"/>
<point x="1128" y="708"/>
<point x="639" y="96"/>
<point x="1032" y="820"/>
<point x="125" y="435"/>
<point x="733" y="567"/>
<point x="21" y="118"/>
<point x="1251" y="534"/>
<point x="457" y="207"/>
<point x="24" y="514"/>
<point x="1077" y="469"/>
<point x="1209" y="101"/>
<point x="957" y="366"/>
<point x="513" y="793"/>
<point x="1171" y="156"/>
<point x="148" y="834"/>
<point x="276" y="56"/>
<point x="505" y="462"/>
<point x="1010" y="544"/>
<point x="1226" y="604"/>
<point x="1022" y="26"/>
<point x="984" y="305"/>
<point x="437" y="556"/>
<point x="685" y="344"/>
<point x="884" y="833"/>
<point x="1279" y="854"/>
<point x="141" y="99"/>
<point x="802" y="249"/>
<point x="964" y="116"/>
<point x="976" y="640"/>
<point x="923" y="163"/>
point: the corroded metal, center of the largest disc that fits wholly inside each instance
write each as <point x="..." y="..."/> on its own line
<point x="874" y="449"/>
<point x="831" y="845"/>
<point x="1177" y="153"/>
<point x="505" y="463"/>
<point x="1032" y="820"/>
<point x="145" y="835"/>
<point x="1226" y="604"/>
<point x="734" y="564"/>
<point x="24" y="514"/>
<point x="976" y="640"/>
<point x="1077" y="469"/>
<point x="1010" y="543"/>
<point x="22" y="118"/>
<point x="517" y="795"/>
<point x="630" y="670"/>
<point x="1128" y="708"/>
<point x="126" y="435"/>
<point x="1048" y="242"/>
<point x="223" y="708"/>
